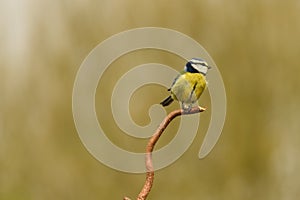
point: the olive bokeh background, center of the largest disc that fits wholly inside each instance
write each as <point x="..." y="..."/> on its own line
<point x="256" y="46"/>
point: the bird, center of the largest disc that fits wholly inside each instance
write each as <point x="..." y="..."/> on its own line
<point x="188" y="86"/>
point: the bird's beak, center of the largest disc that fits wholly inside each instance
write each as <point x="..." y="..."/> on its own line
<point x="208" y="67"/>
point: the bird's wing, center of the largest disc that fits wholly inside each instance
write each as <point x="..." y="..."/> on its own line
<point x="174" y="81"/>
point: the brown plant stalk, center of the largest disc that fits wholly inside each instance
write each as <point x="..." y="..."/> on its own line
<point x="150" y="146"/>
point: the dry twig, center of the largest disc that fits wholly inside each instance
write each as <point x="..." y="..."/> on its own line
<point x="150" y="146"/>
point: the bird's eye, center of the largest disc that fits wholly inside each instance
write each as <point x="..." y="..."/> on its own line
<point x="203" y="64"/>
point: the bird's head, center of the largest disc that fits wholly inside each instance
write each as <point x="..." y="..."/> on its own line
<point x="197" y="65"/>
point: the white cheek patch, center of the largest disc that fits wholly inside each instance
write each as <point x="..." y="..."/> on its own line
<point x="200" y="68"/>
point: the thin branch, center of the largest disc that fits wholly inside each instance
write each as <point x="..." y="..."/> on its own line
<point x="150" y="146"/>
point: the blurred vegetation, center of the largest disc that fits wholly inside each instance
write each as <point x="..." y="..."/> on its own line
<point x="255" y="45"/>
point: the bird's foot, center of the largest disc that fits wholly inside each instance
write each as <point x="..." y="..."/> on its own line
<point x="186" y="108"/>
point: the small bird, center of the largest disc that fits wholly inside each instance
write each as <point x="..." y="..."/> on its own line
<point x="188" y="86"/>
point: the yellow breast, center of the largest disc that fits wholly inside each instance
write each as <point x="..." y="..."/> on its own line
<point x="188" y="87"/>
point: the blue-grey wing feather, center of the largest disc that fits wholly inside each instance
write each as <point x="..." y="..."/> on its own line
<point x="174" y="82"/>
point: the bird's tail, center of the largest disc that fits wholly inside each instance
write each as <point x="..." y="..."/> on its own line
<point x="167" y="101"/>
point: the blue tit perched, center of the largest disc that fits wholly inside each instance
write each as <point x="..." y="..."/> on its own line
<point x="188" y="86"/>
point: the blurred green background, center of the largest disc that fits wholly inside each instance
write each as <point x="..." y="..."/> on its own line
<point x="255" y="45"/>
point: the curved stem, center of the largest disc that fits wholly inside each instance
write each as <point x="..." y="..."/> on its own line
<point x="150" y="146"/>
